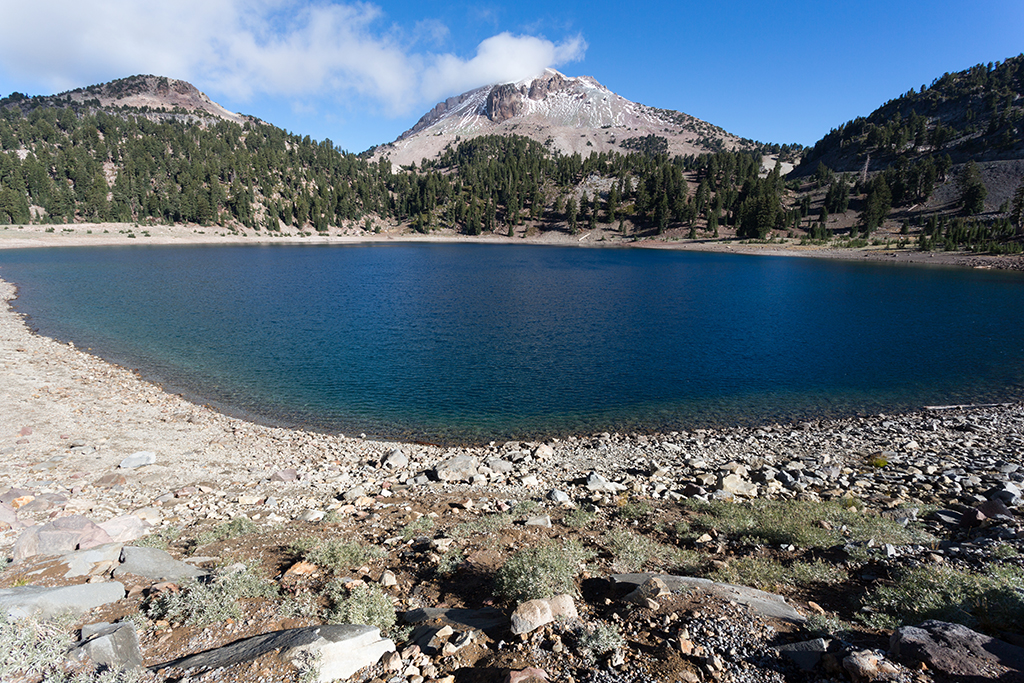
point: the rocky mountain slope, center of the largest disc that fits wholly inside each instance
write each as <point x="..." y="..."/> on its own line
<point x="152" y="94"/>
<point x="973" y="115"/>
<point x="567" y="114"/>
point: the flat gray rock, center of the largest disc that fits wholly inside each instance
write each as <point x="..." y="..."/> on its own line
<point x="155" y="564"/>
<point x="43" y="602"/>
<point x="114" y="646"/>
<point x="761" y="602"/>
<point x="138" y="459"/>
<point x="343" y="649"/>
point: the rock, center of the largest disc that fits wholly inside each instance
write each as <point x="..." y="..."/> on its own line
<point x="110" y="480"/>
<point x="532" y="614"/>
<point x="528" y="675"/>
<point x="92" y="561"/>
<point x="765" y="604"/>
<point x="60" y="536"/>
<point x="650" y="590"/>
<point x="311" y="515"/>
<point x="530" y="480"/>
<point x="559" y="496"/>
<point x="489" y="620"/>
<point x="114" y="646"/>
<point x="388" y="579"/>
<point x="154" y="564"/>
<point x="865" y="665"/>
<point x="598" y="484"/>
<point x="542" y="520"/>
<point x="13" y="494"/>
<point x="43" y="603"/>
<point x="953" y="650"/>
<point x="285" y="476"/>
<point x="543" y="451"/>
<point x="341" y="649"/>
<point x="459" y="468"/>
<point x="1007" y="492"/>
<point x="396" y="459"/>
<point x="124" y="529"/>
<point x="737" y="486"/>
<point x="138" y="459"/>
<point x="805" y="654"/>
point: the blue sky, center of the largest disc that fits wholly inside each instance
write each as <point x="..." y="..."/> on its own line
<point x="362" y="73"/>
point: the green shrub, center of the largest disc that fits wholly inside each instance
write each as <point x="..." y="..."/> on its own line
<point x="579" y="518"/>
<point x="631" y="552"/>
<point x="239" y="526"/>
<point x="204" y="603"/>
<point x="418" y="527"/>
<point x="541" y="572"/>
<point x="360" y="604"/>
<point x="770" y="574"/>
<point x="635" y="510"/>
<point x="336" y="557"/>
<point x="598" y="639"/>
<point x="992" y="600"/>
<point x="487" y="524"/>
<point x="805" y="524"/>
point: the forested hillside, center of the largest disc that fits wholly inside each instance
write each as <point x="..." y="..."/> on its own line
<point x="976" y="114"/>
<point x="74" y="159"/>
<point x="82" y="163"/>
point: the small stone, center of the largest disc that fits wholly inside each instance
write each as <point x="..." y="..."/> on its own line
<point x="558" y="496"/>
<point x="286" y="476"/>
<point x="311" y="515"/>
<point x="542" y="520"/>
<point x="388" y="579"/>
<point x="138" y="459"/>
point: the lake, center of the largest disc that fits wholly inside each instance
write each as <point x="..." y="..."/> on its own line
<point x="474" y="342"/>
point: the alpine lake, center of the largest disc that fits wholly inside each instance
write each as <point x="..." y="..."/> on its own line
<point x="469" y="342"/>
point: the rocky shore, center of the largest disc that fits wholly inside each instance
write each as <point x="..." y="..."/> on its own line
<point x="137" y="498"/>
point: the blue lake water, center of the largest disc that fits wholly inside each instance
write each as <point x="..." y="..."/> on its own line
<point x="472" y="342"/>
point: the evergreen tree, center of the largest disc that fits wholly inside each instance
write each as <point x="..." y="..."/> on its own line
<point x="972" y="190"/>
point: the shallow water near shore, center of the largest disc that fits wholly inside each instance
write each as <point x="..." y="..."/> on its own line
<point x="470" y="342"/>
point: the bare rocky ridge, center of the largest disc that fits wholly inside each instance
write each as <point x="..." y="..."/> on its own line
<point x="568" y="114"/>
<point x="158" y="94"/>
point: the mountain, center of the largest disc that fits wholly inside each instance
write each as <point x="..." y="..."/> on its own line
<point x="154" y="96"/>
<point x="565" y="114"/>
<point x="972" y="115"/>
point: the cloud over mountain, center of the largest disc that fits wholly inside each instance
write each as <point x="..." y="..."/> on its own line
<point x="248" y="47"/>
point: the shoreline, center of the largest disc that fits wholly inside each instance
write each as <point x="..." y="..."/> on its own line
<point x="118" y="234"/>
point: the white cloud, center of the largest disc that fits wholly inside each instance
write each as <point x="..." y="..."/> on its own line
<point x="246" y="47"/>
<point x="500" y="59"/>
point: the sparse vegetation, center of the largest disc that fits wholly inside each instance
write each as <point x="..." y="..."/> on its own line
<point x="991" y="601"/>
<point x="200" y="603"/>
<point x="239" y="526"/>
<point x="541" y="572"/>
<point x="360" y="604"/>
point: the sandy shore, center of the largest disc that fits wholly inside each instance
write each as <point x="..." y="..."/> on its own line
<point x="114" y="234"/>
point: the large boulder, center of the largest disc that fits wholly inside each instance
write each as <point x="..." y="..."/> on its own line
<point x="60" y="536"/>
<point x="955" y="650"/>
<point x="42" y="602"/>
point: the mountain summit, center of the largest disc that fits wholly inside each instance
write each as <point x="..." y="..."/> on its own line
<point x="567" y="114"/>
<point x="158" y="95"/>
